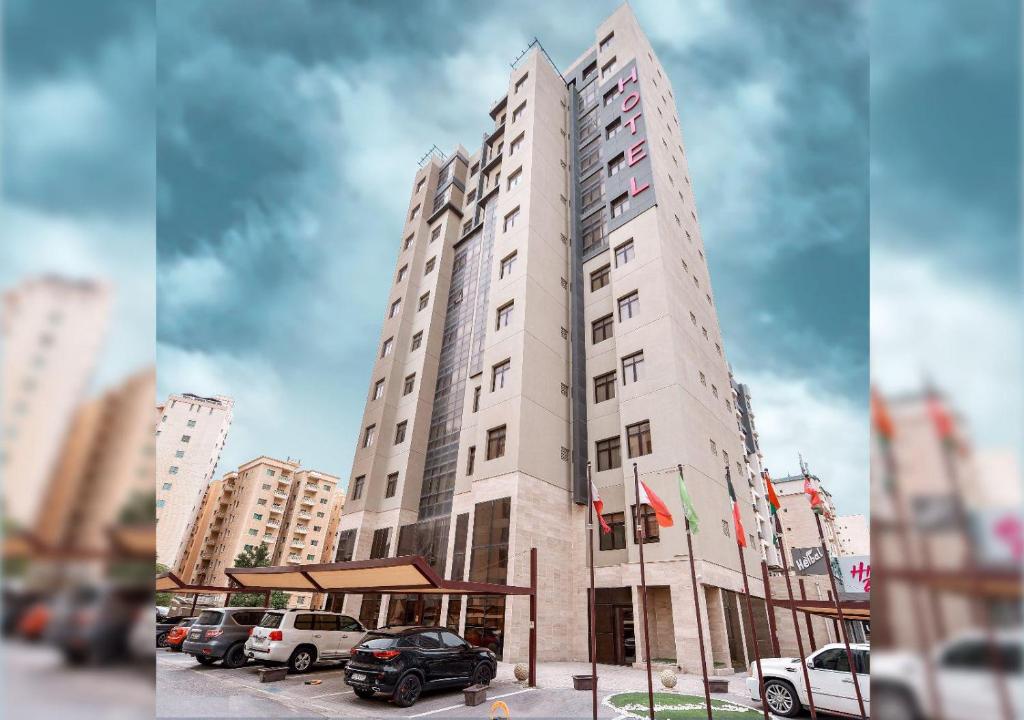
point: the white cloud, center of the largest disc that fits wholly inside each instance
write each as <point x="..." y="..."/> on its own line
<point x="795" y="416"/>
<point x="191" y="281"/>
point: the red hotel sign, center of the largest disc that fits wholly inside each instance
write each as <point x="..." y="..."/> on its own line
<point x="636" y="152"/>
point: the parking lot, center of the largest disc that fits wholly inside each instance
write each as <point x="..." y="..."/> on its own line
<point x="187" y="689"/>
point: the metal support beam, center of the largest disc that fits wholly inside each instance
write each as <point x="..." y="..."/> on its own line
<point x="533" y="618"/>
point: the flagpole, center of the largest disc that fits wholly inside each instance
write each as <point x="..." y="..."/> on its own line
<point x="796" y="623"/>
<point x="750" y="609"/>
<point x="696" y="609"/>
<point x="593" y="601"/>
<point x="641" y="535"/>
<point x="839" y="612"/>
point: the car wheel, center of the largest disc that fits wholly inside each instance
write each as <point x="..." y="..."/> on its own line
<point x="235" y="656"/>
<point x="161" y="640"/>
<point x="364" y="693"/>
<point x="408" y="691"/>
<point x="895" y="703"/>
<point x="301" y="660"/>
<point x="205" y="660"/>
<point x="481" y="675"/>
<point x="781" y="698"/>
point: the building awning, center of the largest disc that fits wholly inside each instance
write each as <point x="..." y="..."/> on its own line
<point x="405" y="574"/>
<point x="171" y="583"/>
<point x="852" y="609"/>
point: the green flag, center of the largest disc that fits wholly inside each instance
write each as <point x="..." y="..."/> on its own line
<point x="688" y="510"/>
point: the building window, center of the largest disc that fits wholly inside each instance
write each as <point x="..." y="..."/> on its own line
<point x="380" y="545"/>
<point x="392" y="487"/>
<point x="253" y="532"/>
<point x="186" y="438"/>
<point x="167" y="486"/>
<point x="589" y="156"/>
<point x="601" y="329"/>
<point x="191" y="423"/>
<point x="161" y="503"/>
<point x="395" y="307"/>
<point x="520" y="82"/>
<point x="514" y="178"/>
<point x="604" y="387"/>
<point x="616" y="539"/>
<point x="496" y="442"/>
<point x="266" y="486"/>
<point x="400" y="432"/>
<point x="257" y="516"/>
<point x="713" y="446"/>
<point x="504" y="315"/>
<point x="608" y="453"/>
<point x="592" y="193"/>
<point x="261" y="501"/>
<point x="378" y="389"/>
<point x="611" y="95"/>
<point x="419" y="185"/>
<point x="714" y="391"/>
<point x="435" y="233"/>
<point x="368" y="435"/>
<point x="173" y="470"/>
<point x="407" y="243"/>
<point x="410" y="382"/>
<point x="179" y="453"/>
<point x="593" y="231"/>
<point x="470" y="459"/>
<point x="612" y="129"/>
<point x="429" y="267"/>
<point x="516" y="145"/>
<point x="703" y="379"/>
<point x="424" y="301"/>
<point x="718" y="349"/>
<point x="414" y="214"/>
<point x="499" y="374"/>
<point x="518" y="112"/>
<point x="650" y="520"/>
<point x="357" y="487"/>
<point x="476" y="398"/>
<point x="417" y="340"/>
<point x="620" y="205"/>
<point x="506" y="265"/>
<point x="605" y="44"/>
<point x="693" y="319"/>
<point x="600" y="277"/>
<point x="401" y="274"/>
<point x="629" y="306"/>
<point x="385" y="349"/>
<point x="624" y="253"/>
<point x="510" y="220"/>
<point x="638" y="438"/>
<point x="617" y="163"/>
<point x="632" y="367"/>
<point x="705" y="331"/>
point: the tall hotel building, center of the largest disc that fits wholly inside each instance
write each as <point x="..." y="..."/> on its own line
<point x="190" y="435"/>
<point x="551" y="306"/>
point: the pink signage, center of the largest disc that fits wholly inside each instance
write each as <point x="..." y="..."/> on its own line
<point x="636" y="151"/>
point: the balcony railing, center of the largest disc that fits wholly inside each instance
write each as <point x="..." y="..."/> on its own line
<point x="294" y="557"/>
<point x="277" y="508"/>
<point x="301" y="528"/>
<point x="296" y="543"/>
<point x="273" y="524"/>
<point x="308" y="500"/>
<point x="305" y="514"/>
<point x="280" y="494"/>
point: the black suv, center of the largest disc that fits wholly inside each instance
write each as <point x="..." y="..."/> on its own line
<point x="220" y="634"/>
<point x="404" y="661"/>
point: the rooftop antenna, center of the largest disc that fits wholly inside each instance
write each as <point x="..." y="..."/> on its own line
<point x="432" y="152"/>
<point x="803" y="465"/>
<point x="524" y="53"/>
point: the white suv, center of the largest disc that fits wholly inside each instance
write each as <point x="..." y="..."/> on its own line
<point x="302" y="638"/>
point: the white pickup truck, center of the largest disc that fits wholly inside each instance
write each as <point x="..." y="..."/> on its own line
<point x="831" y="682"/>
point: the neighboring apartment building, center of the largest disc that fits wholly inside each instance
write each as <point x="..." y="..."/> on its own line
<point x="265" y="501"/>
<point x="754" y="467"/>
<point x="853" y="535"/>
<point x="552" y="306"/>
<point x="798" y="523"/>
<point x="53" y="330"/>
<point x="190" y="436"/>
<point x="105" y="468"/>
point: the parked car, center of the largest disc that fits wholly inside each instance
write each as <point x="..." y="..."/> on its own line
<point x="401" y="662"/>
<point x="93" y="624"/>
<point x="965" y="677"/>
<point x="831" y="683"/>
<point x="177" y="634"/>
<point x="302" y="638"/>
<point x="140" y="639"/>
<point x="164" y="625"/>
<point x="220" y="634"/>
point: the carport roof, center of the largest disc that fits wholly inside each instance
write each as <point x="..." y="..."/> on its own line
<point x="405" y="574"/>
<point x="852" y="609"/>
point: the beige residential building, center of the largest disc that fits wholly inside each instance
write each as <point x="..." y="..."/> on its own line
<point x="798" y="519"/>
<point x="266" y="501"/>
<point x="53" y="330"/>
<point x="552" y="306"/>
<point x="105" y="468"/>
<point x="190" y="436"/>
<point x="853" y="535"/>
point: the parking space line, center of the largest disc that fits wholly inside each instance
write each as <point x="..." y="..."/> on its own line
<point x="455" y="707"/>
<point x="517" y="692"/>
<point x="342" y="692"/>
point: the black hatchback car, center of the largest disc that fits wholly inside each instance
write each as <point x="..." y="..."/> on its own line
<point x="402" y="662"/>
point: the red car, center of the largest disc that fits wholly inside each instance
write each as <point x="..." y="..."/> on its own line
<point x="178" y="633"/>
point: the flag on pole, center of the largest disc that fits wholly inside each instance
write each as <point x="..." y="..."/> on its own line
<point x="941" y="417"/>
<point x="773" y="499"/>
<point x="741" y="535"/>
<point x="880" y="417"/>
<point x="816" y="503"/>
<point x="599" y="508"/>
<point x="647" y="497"/>
<point x="688" y="509"/>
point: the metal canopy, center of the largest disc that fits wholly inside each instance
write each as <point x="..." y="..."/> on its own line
<point x="852" y="609"/>
<point x="169" y="582"/>
<point x="405" y="574"/>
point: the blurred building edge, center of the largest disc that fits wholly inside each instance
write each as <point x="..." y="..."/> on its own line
<point x="925" y="559"/>
<point x="53" y="330"/>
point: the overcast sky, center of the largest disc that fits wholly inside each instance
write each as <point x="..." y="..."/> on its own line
<point x="288" y="135"/>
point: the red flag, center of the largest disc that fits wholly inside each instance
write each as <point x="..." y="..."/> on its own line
<point x="737" y="521"/>
<point x="941" y="417"/>
<point x="598" y="508"/>
<point x="773" y="499"/>
<point x="816" y="504"/>
<point x="880" y="416"/>
<point x="647" y="497"/>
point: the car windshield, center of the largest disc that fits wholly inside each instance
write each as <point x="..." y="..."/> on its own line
<point x="271" y="620"/>
<point x="187" y="622"/>
<point x="210" y="617"/>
